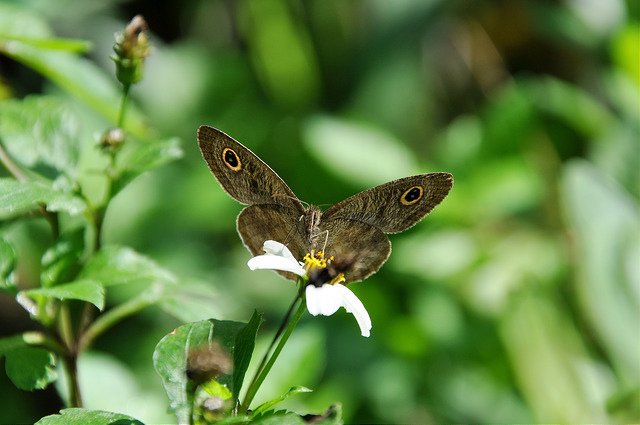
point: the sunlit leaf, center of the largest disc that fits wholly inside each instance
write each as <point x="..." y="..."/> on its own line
<point x="115" y="265"/>
<point x="85" y="290"/>
<point x="604" y="224"/>
<point x="545" y="352"/>
<point x="358" y="153"/>
<point x="17" y="198"/>
<point x="78" y="416"/>
<point x="41" y="133"/>
<point x="30" y="368"/>
<point x="65" y="44"/>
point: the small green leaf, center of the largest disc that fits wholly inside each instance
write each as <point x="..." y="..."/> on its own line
<point x="22" y="340"/>
<point x="17" y="198"/>
<point x="332" y="416"/>
<point x="85" y="290"/>
<point x="115" y="265"/>
<point x="41" y="133"/>
<point x="280" y="417"/>
<point x="245" y="343"/>
<point x="30" y="368"/>
<point x="7" y="264"/>
<point x="171" y="354"/>
<point x="60" y="263"/>
<point x="138" y="157"/>
<point x="77" y="416"/>
<point x="269" y="404"/>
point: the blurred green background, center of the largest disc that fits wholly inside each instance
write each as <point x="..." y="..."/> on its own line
<point x="516" y="300"/>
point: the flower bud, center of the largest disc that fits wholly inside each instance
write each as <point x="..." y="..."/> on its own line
<point x="131" y="48"/>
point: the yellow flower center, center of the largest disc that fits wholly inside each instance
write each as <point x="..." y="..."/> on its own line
<point x="317" y="260"/>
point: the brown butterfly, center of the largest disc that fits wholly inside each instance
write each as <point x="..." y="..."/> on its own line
<point x="352" y="231"/>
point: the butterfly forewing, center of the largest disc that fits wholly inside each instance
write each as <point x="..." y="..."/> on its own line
<point x="241" y="173"/>
<point x="394" y="206"/>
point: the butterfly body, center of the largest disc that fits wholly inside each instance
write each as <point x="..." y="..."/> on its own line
<point x="352" y="231"/>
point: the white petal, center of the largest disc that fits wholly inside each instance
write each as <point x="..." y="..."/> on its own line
<point x="327" y="299"/>
<point x="276" y="262"/>
<point x="276" y="248"/>
<point x="322" y="300"/>
<point x="353" y="305"/>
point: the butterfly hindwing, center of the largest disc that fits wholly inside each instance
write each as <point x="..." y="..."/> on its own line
<point x="259" y="223"/>
<point x="359" y="249"/>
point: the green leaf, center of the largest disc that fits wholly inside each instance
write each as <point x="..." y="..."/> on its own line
<point x="115" y="265"/>
<point x="335" y="143"/>
<point x="7" y="264"/>
<point x="30" y="368"/>
<point x="19" y="341"/>
<point x="77" y="416"/>
<point x="79" y="77"/>
<point x="84" y="289"/>
<point x="280" y="417"/>
<point x="245" y="344"/>
<point x="269" y="404"/>
<point x="172" y="352"/>
<point x="42" y="134"/>
<point x="603" y="220"/>
<point x="52" y="43"/>
<point x="332" y="416"/>
<point x="137" y="157"/>
<point x="17" y="198"/>
<point x="60" y="263"/>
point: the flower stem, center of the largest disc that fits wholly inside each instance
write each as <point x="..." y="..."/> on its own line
<point x="123" y="104"/>
<point x="284" y="332"/>
<point x="116" y="314"/>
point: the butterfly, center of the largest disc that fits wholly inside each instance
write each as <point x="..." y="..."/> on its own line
<point x="353" y="231"/>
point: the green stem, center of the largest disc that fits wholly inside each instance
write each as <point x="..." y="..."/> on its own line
<point x="64" y="326"/>
<point x="11" y="166"/>
<point x="281" y="329"/>
<point x="123" y="104"/>
<point x="71" y="369"/>
<point x="261" y="374"/>
<point x="116" y="314"/>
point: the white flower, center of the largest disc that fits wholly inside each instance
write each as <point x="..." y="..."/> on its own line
<point x="324" y="300"/>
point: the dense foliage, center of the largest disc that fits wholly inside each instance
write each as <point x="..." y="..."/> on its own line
<point x="516" y="300"/>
